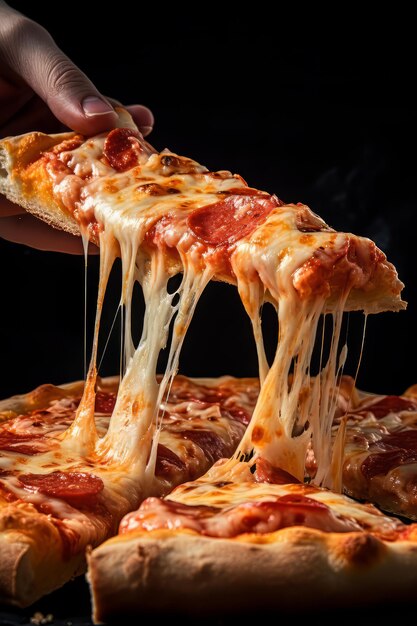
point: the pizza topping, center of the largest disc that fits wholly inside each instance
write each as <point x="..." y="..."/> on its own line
<point x="105" y="402"/>
<point x="392" y="450"/>
<point x="231" y="219"/>
<point x="383" y="462"/>
<point x="122" y="149"/>
<point x="155" y="513"/>
<point x="406" y="439"/>
<point x="239" y="414"/>
<point x="29" y="444"/>
<point x="267" y="473"/>
<point x="212" y="444"/>
<point x="154" y="189"/>
<point x="387" y="405"/>
<point x="167" y="462"/>
<point x="248" y="191"/>
<point x="260" y="517"/>
<point x="174" y="164"/>
<point x="308" y="222"/>
<point x="76" y="488"/>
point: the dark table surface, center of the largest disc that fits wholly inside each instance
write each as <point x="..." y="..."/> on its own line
<point x="70" y="606"/>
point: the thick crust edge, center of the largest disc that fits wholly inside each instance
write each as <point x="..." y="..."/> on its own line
<point x="13" y="150"/>
<point x="32" y="561"/>
<point x="299" y="568"/>
<point x="31" y="548"/>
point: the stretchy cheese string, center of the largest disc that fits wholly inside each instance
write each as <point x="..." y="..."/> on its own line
<point x="82" y="435"/>
<point x="287" y="415"/>
<point x="267" y="265"/>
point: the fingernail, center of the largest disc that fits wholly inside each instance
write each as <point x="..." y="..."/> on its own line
<point x="146" y="130"/>
<point x="96" y="106"/>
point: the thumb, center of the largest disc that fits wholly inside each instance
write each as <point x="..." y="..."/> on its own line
<point x="68" y="92"/>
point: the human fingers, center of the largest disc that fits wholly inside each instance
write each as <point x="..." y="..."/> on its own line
<point x="32" y="55"/>
<point x="142" y="116"/>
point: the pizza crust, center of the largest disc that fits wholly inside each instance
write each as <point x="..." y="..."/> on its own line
<point x="35" y="558"/>
<point x="186" y="573"/>
<point x="32" y="553"/>
<point x="32" y="556"/>
<point x="17" y="153"/>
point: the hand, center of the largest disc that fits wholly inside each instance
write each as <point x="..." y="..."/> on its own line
<point x="41" y="89"/>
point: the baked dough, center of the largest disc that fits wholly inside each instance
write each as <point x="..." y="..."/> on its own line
<point x="163" y="572"/>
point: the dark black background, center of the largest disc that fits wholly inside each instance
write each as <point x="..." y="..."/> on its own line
<point x="315" y="107"/>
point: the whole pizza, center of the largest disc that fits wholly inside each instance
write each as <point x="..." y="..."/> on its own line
<point x="211" y="495"/>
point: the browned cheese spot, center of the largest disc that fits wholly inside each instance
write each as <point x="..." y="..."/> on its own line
<point x="257" y="434"/>
<point x="306" y="239"/>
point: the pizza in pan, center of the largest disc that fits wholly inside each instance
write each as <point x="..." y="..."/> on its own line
<point x="54" y="503"/>
<point x="164" y="214"/>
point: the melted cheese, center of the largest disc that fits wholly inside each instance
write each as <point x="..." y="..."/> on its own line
<point x="122" y="489"/>
<point x="274" y="263"/>
<point x="230" y="484"/>
<point x="304" y="275"/>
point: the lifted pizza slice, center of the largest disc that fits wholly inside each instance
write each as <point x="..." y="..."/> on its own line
<point x="164" y="214"/>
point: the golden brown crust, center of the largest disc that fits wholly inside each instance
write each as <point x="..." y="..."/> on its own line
<point x="39" y="556"/>
<point x="166" y="572"/>
<point x="32" y="554"/>
<point x="24" y="181"/>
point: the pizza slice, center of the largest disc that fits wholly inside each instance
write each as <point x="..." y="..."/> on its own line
<point x="248" y="537"/>
<point x="54" y="503"/>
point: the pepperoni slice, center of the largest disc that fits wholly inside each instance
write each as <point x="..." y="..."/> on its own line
<point x="405" y="439"/>
<point x="383" y="462"/>
<point x="76" y="488"/>
<point x="105" y="402"/>
<point x="267" y="473"/>
<point x="248" y="517"/>
<point x="21" y="444"/>
<point x="403" y="450"/>
<point x="389" y="404"/>
<point x="298" y="500"/>
<point x="167" y="462"/>
<point x="238" y="414"/>
<point x="211" y="444"/>
<point x="231" y="219"/>
<point x="270" y="516"/>
<point x="122" y="149"/>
